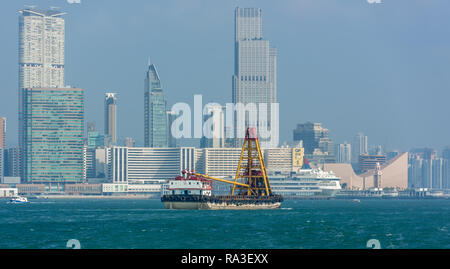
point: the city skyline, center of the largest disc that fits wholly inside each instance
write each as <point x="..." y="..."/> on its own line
<point x="270" y="15"/>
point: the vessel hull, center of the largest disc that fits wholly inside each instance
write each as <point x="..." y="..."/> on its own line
<point x="220" y="202"/>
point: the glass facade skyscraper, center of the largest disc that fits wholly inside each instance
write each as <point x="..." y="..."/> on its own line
<point x="254" y="79"/>
<point x="52" y="139"/>
<point x="155" y="111"/>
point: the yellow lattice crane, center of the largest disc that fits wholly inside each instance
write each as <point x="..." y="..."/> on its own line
<point x="251" y="176"/>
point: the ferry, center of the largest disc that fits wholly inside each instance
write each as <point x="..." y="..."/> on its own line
<point x="306" y="183"/>
<point x="18" y="200"/>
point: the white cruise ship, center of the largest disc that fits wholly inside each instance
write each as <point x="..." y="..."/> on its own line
<point x="306" y="183"/>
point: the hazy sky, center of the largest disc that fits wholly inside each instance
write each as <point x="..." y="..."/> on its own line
<point x="383" y="69"/>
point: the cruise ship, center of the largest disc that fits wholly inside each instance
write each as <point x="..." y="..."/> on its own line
<point x="306" y="183"/>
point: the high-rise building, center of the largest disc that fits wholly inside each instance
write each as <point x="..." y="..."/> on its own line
<point x="415" y="172"/>
<point x="369" y="162"/>
<point x="95" y="140"/>
<point x="171" y="140"/>
<point x="2" y="132"/>
<point x="359" y="147"/>
<point x="111" y="117"/>
<point x="446" y="174"/>
<point x="214" y="121"/>
<point x="155" y="111"/>
<point x="343" y="153"/>
<point x="89" y="162"/>
<point x="283" y="159"/>
<point x="140" y="164"/>
<point x="436" y="179"/>
<point x="255" y="76"/>
<point x="424" y="153"/>
<point x="53" y="134"/>
<point x="13" y="162"/>
<point x="311" y="134"/>
<point x="41" y="48"/>
<point x="2" y="164"/>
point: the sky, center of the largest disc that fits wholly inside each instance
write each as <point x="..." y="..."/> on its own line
<point x="378" y="68"/>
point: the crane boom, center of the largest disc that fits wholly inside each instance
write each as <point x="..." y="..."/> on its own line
<point x="216" y="179"/>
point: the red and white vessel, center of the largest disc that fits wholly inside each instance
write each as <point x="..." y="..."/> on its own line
<point x="186" y="192"/>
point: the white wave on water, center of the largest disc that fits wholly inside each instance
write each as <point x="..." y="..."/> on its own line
<point x="286" y="208"/>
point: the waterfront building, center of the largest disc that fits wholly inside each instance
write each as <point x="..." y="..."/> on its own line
<point x="89" y="162"/>
<point x="2" y="132"/>
<point x="143" y="163"/>
<point x="217" y="162"/>
<point x="343" y="153"/>
<point x="111" y="117"/>
<point x="255" y="75"/>
<point x="394" y="174"/>
<point x="359" y="147"/>
<point x="155" y="111"/>
<point x="52" y="142"/>
<point x="41" y="48"/>
<point x="369" y="162"/>
<point x="8" y="192"/>
<point x="283" y="160"/>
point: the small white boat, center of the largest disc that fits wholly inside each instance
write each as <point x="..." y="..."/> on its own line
<point x="356" y="201"/>
<point x="18" y="200"/>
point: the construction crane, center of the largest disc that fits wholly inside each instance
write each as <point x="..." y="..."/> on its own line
<point x="251" y="176"/>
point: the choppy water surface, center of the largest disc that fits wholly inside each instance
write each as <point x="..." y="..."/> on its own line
<point x="298" y="224"/>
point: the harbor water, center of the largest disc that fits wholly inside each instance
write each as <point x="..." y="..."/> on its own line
<point x="298" y="224"/>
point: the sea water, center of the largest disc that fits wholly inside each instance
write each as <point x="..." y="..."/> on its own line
<point x="298" y="224"/>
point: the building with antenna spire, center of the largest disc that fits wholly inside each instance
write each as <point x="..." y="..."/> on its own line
<point x="111" y="117"/>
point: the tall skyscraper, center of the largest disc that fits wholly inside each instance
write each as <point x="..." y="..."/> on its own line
<point x="53" y="134"/>
<point x="2" y="132"/>
<point x="155" y="111"/>
<point x="255" y="78"/>
<point x="111" y="117"/>
<point x="214" y="119"/>
<point x="359" y="147"/>
<point x="2" y="164"/>
<point x="41" y="48"/>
